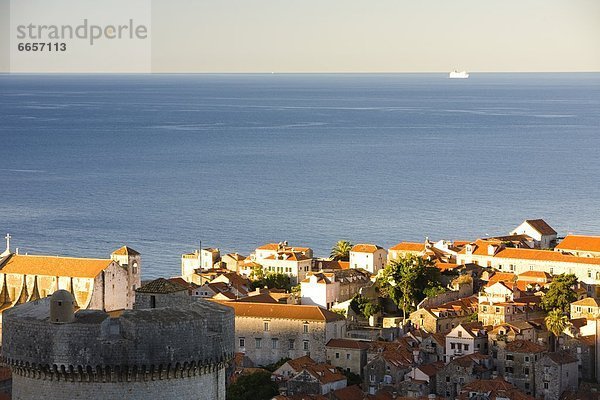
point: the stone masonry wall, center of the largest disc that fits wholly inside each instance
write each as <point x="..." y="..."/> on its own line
<point x="209" y="386"/>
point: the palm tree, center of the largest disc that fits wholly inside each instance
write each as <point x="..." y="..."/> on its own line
<point x="556" y="323"/>
<point x="341" y="250"/>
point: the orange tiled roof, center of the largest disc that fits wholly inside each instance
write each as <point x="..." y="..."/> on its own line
<point x="541" y="226"/>
<point x="502" y="277"/>
<point x="161" y="285"/>
<point x="276" y="246"/>
<point x="332" y="264"/>
<point x="561" y="357"/>
<point x="353" y="392"/>
<point x="324" y="373"/>
<point x="298" y="363"/>
<point x="54" y="266"/>
<point x="366" y="248"/>
<point x="126" y="251"/>
<point x="409" y="246"/>
<point x="348" y="344"/>
<point x="545" y="255"/>
<point x="534" y="274"/>
<point x="587" y="302"/>
<point x="443" y="266"/>
<point x="580" y="243"/>
<point x="283" y="311"/>
<point x="290" y="256"/>
<point x="524" y="346"/>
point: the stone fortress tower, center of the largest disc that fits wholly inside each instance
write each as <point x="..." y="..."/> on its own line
<point x="177" y="352"/>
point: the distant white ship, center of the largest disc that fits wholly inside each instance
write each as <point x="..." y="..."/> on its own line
<point x="458" y="75"/>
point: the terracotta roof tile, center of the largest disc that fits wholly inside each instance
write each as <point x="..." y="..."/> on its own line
<point x="298" y="363"/>
<point x="161" y="286"/>
<point x="409" y="246"/>
<point x="545" y="255"/>
<point x="288" y="256"/>
<point x="125" y="251"/>
<point x="365" y="248"/>
<point x="348" y="344"/>
<point x="587" y="302"/>
<point x="579" y="243"/>
<point x="324" y="373"/>
<point x="54" y="266"/>
<point x="524" y="346"/>
<point x="353" y="392"/>
<point x="283" y="311"/>
<point x="541" y="226"/>
<point x="561" y="357"/>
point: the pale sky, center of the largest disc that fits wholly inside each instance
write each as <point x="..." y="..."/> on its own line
<point x="376" y="35"/>
<point x="372" y="36"/>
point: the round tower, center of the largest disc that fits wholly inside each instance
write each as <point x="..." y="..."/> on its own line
<point x="62" y="307"/>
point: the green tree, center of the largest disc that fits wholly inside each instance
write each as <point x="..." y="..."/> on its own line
<point x="274" y="366"/>
<point x="561" y="293"/>
<point x="434" y="291"/>
<point x="370" y="309"/>
<point x="406" y="279"/>
<point x="556" y="322"/>
<point x="256" y="386"/>
<point x="363" y="306"/>
<point x="341" y="250"/>
<point x="352" y="378"/>
<point x="257" y="273"/>
<point x="272" y="280"/>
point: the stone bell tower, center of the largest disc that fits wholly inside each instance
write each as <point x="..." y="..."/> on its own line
<point x="131" y="260"/>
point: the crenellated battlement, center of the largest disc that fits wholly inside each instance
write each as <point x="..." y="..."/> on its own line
<point x="107" y="374"/>
<point x="161" y="353"/>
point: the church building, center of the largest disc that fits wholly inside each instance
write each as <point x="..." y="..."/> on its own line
<point x="104" y="284"/>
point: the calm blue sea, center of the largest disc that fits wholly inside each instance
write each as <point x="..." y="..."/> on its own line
<point x="159" y="162"/>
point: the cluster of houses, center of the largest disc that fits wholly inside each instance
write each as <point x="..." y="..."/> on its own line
<point x="485" y="337"/>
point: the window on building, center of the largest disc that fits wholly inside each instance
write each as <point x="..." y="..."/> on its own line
<point x="551" y="271"/>
<point x="509" y="357"/>
<point x="526" y="371"/>
<point x="531" y="267"/>
<point x="526" y="358"/>
<point x="305" y="345"/>
<point x="546" y="385"/>
<point x="447" y="379"/>
<point x="589" y="273"/>
<point x="497" y="309"/>
<point x="348" y="356"/>
<point x="291" y="344"/>
<point x="466" y="347"/>
<point x="258" y="343"/>
<point x="242" y="342"/>
<point x="152" y="301"/>
<point x="461" y="380"/>
<point x="274" y="343"/>
<point x="266" y="326"/>
<point x="526" y="385"/>
<point x="337" y="355"/>
<point x="452" y="346"/>
<point x="459" y="333"/>
<point x="305" y="327"/>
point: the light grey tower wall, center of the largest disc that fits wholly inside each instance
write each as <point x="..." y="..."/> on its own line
<point x="163" y="353"/>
